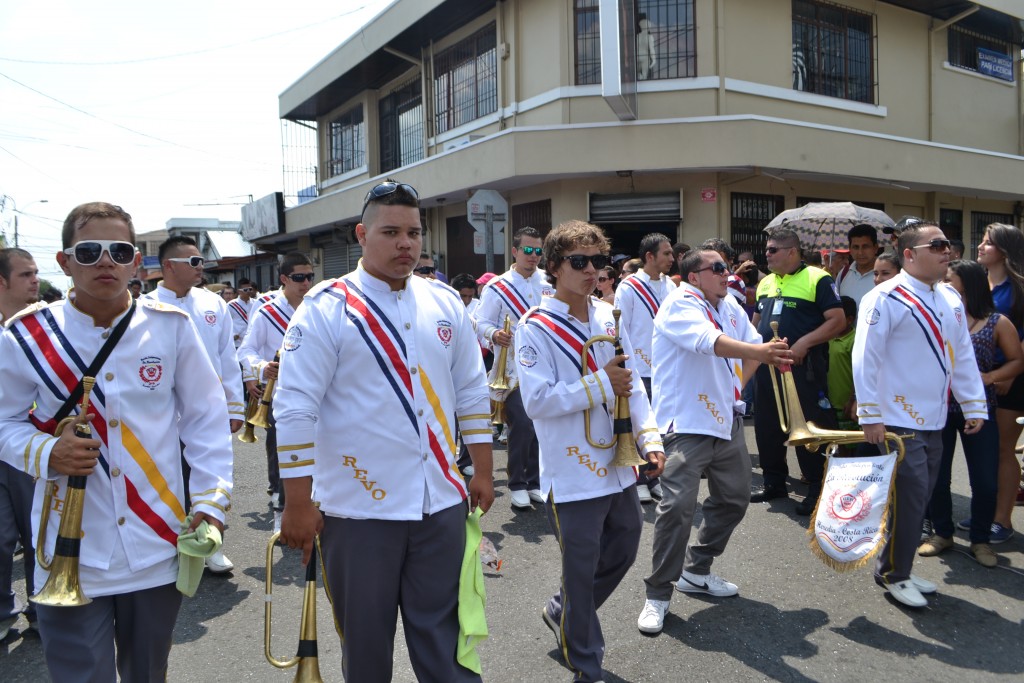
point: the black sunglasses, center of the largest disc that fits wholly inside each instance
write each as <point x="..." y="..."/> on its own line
<point x="774" y="250"/>
<point x="425" y="270"/>
<point x="579" y="261"/>
<point x="386" y="188"/>
<point x="718" y="268"/>
<point x="532" y="250"/>
<point x="301" y="277"/>
<point x="89" y="252"/>
<point x="937" y="245"/>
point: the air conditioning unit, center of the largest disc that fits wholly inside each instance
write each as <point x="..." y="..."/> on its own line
<point x="460" y="142"/>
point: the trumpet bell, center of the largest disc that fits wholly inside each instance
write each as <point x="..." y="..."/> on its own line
<point x="626" y="454"/>
<point x="259" y="419"/>
<point x="62" y="588"/>
<point x="248" y="434"/>
<point x="500" y="383"/>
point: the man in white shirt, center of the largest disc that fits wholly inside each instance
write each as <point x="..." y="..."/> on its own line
<point x="19" y="287"/>
<point x="241" y="309"/>
<point x="700" y="334"/>
<point x="182" y="268"/>
<point x="638" y="297"/>
<point x="512" y="294"/>
<point x="858" y="277"/>
<point x="910" y="330"/>
<point x="376" y="365"/>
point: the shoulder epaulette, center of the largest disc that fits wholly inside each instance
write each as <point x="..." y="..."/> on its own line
<point x="530" y="312"/>
<point x="155" y="305"/>
<point x="27" y="311"/>
<point x="321" y="286"/>
<point x="600" y="302"/>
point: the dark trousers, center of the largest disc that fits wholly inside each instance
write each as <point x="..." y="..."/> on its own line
<point x="273" y="469"/>
<point x="811" y="384"/>
<point x="599" y="538"/>
<point x="16" y="491"/>
<point x="981" y="451"/>
<point x="523" y="451"/>
<point x="79" y="642"/>
<point x="376" y="568"/>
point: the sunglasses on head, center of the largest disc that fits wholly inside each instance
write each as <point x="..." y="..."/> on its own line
<point x="386" y="188"/>
<point x="775" y="250"/>
<point x="193" y="261"/>
<point x="718" y="268"/>
<point x="89" y="252"/>
<point x="301" y="277"/>
<point x="938" y="245"/>
<point x="579" y="261"/>
<point x="425" y="270"/>
<point x="532" y="250"/>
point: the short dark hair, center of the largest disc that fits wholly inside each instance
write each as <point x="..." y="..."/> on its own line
<point x="172" y="243"/>
<point x="242" y="281"/>
<point x="291" y="261"/>
<point x="910" y="235"/>
<point x="517" y="238"/>
<point x="228" y="285"/>
<point x="957" y="244"/>
<point x="463" y="281"/>
<point x="849" y="306"/>
<point x="862" y="230"/>
<point x="890" y="257"/>
<point x="424" y="254"/>
<point x="719" y="245"/>
<point x="650" y="244"/>
<point x="400" y="197"/>
<point x="787" y="236"/>
<point x="83" y="213"/>
<point x="693" y="261"/>
<point x="977" y="294"/>
<point x="5" y="260"/>
<point x="631" y="266"/>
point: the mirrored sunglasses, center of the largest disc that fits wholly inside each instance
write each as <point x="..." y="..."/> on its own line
<point x="532" y="250"/>
<point x="89" y="252"/>
<point x="386" y="188"/>
<point x="580" y="261"/>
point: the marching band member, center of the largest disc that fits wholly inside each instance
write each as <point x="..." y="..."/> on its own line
<point x="638" y="297"/>
<point x="152" y="390"/>
<point x="182" y="268"/>
<point x="513" y="293"/>
<point x="592" y="506"/>
<point x="700" y="333"/>
<point x="241" y="309"/>
<point x="375" y="366"/>
<point x="262" y="342"/>
<point x="911" y="330"/>
<point x="19" y="287"/>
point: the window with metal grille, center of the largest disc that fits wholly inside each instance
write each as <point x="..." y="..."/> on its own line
<point x="980" y="221"/>
<point x="833" y="51"/>
<point x="750" y="213"/>
<point x="347" y="142"/>
<point x="952" y="223"/>
<point x="964" y="45"/>
<point x="536" y="215"/>
<point x="401" y="126"/>
<point x="466" y="80"/>
<point x="670" y="40"/>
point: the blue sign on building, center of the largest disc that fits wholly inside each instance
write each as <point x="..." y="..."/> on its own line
<point x="150" y="262"/>
<point x="995" y="64"/>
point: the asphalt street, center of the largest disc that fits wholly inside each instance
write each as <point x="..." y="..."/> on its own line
<point x="794" y="619"/>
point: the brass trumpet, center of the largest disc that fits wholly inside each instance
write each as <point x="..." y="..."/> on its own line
<point x="807" y="434"/>
<point x="623" y="440"/>
<point x="308" y="670"/>
<point x="260" y="419"/>
<point x="500" y="383"/>
<point x="63" y="588"/>
<point x="248" y="435"/>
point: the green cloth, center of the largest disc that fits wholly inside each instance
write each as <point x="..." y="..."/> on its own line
<point x="472" y="598"/>
<point x="193" y="549"/>
<point x="840" y="371"/>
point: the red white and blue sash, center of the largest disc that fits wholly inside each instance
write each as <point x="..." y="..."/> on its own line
<point x="926" y="319"/>
<point x="564" y="336"/>
<point x="239" y="310"/>
<point x="644" y="292"/>
<point x="712" y="316"/>
<point x="275" y="314"/>
<point x="511" y="297"/>
<point x="53" y="357"/>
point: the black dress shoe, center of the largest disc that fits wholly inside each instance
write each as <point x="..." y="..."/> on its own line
<point x="766" y="493"/>
<point x="806" y="506"/>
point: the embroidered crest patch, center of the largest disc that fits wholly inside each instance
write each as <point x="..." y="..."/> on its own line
<point x="150" y="372"/>
<point x="444" y="332"/>
<point x="210" y="317"/>
<point x="293" y="339"/>
<point x="527" y="356"/>
<point x="872" y="316"/>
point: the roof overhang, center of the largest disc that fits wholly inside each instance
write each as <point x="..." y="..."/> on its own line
<point x="379" y="52"/>
<point x="1000" y="18"/>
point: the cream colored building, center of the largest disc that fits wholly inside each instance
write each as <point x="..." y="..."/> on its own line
<point x="742" y="108"/>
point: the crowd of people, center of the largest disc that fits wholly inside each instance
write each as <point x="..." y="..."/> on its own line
<point x="687" y="338"/>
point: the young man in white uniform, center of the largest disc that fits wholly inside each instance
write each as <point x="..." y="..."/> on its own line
<point x="700" y="334"/>
<point x="910" y="330"/>
<point x="376" y="367"/>
<point x="592" y="505"/>
<point x="241" y="309"/>
<point x="153" y="391"/>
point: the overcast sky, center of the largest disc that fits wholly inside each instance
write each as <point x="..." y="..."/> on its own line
<point x="153" y="107"/>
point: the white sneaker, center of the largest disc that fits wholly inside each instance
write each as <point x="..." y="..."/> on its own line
<point x="536" y="496"/>
<point x="652" y="618"/>
<point x="711" y="584"/>
<point x="521" y="500"/>
<point x="218" y="563"/>
<point x="275" y="500"/>
<point x="923" y="586"/>
<point x="503" y="439"/>
<point x="277" y="521"/>
<point x="657" y="491"/>
<point x="906" y="592"/>
<point x="643" y="493"/>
